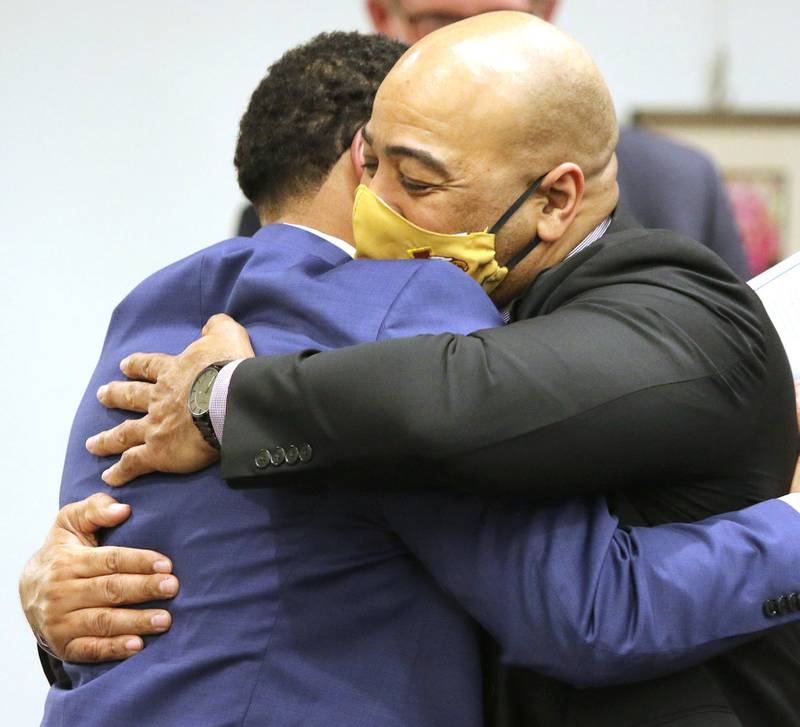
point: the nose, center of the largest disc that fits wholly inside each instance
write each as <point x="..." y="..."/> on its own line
<point x="387" y="188"/>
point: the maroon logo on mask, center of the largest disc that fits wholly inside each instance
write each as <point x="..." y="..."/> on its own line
<point x="426" y="253"/>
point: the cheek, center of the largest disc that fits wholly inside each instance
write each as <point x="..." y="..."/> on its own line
<point x="438" y="212"/>
<point x="449" y="211"/>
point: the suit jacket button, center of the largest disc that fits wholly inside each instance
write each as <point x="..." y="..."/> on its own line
<point x="794" y="601"/>
<point x="292" y="454"/>
<point x="783" y="605"/>
<point x="277" y="455"/>
<point x="305" y="452"/>
<point x="262" y="459"/>
<point x="770" y="607"/>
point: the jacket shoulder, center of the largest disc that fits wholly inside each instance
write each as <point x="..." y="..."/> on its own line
<point x="660" y="259"/>
<point x="182" y="277"/>
<point x="659" y="270"/>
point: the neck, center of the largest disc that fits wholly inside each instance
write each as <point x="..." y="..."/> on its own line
<point x="599" y="202"/>
<point x="329" y="210"/>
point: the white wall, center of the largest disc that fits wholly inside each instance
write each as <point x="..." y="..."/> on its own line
<point x="117" y="128"/>
<point x="656" y="53"/>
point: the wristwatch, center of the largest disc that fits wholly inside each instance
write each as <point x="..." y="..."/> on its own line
<point x="200" y="401"/>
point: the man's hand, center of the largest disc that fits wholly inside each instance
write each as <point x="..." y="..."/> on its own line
<point x="165" y="439"/>
<point x="796" y="478"/>
<point x="69" y="589"/>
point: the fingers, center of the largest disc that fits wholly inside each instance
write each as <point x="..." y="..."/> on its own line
<point x="144" y="366"/>
<point x="128" y="395"/>
<point x="119" y="589"/>
<point x="230" y="339"/>
<point x="133" y="463"/>
<point x="107" y="560"/>
<point x="107" y="622"/>
<point x="87" y="516"/>
<point x="91" y="649"/>
<point x="125" y="435"/>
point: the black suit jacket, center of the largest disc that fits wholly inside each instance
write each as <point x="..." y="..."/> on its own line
<point x="666" y="186"/>
<point x="641" y="366"/>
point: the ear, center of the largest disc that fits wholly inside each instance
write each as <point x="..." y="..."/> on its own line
<point x="379" y="14"/>
<point x="563" y="187"/>
<point x="357" y="154"/>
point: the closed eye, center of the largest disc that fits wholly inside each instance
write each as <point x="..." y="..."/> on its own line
<point x="415" y="187"/>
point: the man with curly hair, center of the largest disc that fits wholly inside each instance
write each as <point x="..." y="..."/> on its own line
<point x="241" y="648"/>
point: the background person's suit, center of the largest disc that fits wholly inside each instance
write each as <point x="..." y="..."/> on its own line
<point x="670" y="186"/>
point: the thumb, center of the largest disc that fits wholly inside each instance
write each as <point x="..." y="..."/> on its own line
<point x="229" y="337"/>
<point x="220" y="324"/>
<point x="84" y="518"/>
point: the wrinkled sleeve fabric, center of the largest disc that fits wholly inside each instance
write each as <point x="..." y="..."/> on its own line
<point x="603" y="392"/>
<point x="567" y="592"/>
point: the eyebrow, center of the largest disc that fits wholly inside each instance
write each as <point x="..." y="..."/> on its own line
<point x="420" y="155"/>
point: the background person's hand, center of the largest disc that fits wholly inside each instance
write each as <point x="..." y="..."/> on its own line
<point x="165" y="439"/>
<point x="70" y="588"/>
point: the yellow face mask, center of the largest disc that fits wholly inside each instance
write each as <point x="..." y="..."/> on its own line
<point x="381" y="233"/>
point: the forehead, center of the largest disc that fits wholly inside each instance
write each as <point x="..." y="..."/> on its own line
<point x="461" y="135"/>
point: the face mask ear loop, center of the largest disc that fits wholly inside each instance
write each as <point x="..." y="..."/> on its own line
<point x="511" y="264"/>
<point x="517" y="204"/>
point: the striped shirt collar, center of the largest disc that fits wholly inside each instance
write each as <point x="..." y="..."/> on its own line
<point x="593" y="236"/>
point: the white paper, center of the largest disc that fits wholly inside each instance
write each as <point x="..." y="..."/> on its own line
<point x="779" y="290"/>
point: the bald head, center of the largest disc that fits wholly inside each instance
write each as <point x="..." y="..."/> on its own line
<point x="473" y="113"/>
<point x="513" y="80"/>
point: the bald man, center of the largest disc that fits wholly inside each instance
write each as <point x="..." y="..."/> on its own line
<point x="637" y="362"/>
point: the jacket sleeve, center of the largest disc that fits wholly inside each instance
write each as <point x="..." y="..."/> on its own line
<point x="568" y="593"/>
<point x="604" y="392"/>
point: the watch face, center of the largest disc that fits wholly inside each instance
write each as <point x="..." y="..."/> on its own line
<point x="200" y="395"/>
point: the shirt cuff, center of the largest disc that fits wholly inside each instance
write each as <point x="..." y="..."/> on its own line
<point x="218" y="403"/>
<point x="793" y="500"/>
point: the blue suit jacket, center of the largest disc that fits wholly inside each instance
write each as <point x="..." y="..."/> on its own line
<point x="313" y="607"/>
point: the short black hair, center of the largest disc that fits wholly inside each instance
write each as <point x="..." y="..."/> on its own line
<point x="305" y="112"/>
